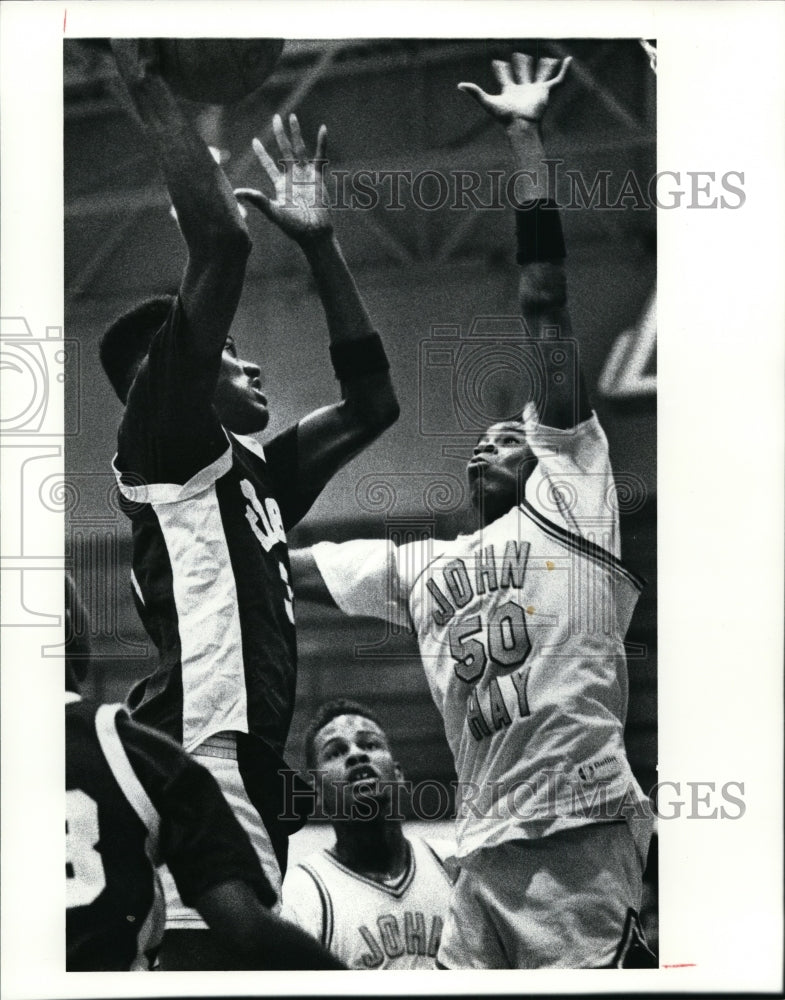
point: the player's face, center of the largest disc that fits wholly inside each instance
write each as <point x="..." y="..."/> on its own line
<point x="238" y="398"/>
<point x="355" y="758"/>
<point x="501" y="463"/>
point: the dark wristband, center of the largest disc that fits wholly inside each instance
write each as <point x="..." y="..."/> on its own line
<point x="354" y="358"/>
<point x="539" y="232"/>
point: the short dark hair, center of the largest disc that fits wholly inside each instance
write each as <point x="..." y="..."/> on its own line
<point x="126" y="343"/>
<point x="329" y="711"/>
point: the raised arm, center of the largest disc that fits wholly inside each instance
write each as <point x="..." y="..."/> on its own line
<point x="328" y="437"/>
<point x="363" y="577"/>
<point x="526" y="86"/>
<point x="207" y="211"/>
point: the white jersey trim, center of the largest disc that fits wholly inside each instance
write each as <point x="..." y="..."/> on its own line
<point x="211" y="650"/>
<point x="326" y="936"/>
<point x="116" y="757"/>
<point x="167" y="493"/>
<point x="131" y="787"/>
<point x="583" y="545"/>
<point x="251" y="444"/>
<point x="396" y="888"/>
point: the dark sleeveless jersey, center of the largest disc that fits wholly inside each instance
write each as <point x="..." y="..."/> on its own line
<point x="209" y="513"/>
<point x="134" y="799"/>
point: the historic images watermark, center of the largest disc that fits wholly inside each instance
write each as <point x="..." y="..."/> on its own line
<point x="459" y="190"/>
<point x="556" y="794"/>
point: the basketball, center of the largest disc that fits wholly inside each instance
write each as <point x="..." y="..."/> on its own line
<point x="217" y="70"/>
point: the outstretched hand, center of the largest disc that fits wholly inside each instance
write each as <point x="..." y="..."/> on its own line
<point x="526" y="85"/>
<point x="300" y="205"/>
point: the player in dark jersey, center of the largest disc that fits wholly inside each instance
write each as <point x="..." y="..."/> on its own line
<point x="209" y="506"/>
<point x="134" y="799"/>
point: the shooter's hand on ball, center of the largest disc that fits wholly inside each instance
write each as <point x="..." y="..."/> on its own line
<point x="300" y="206"/>
<point x="137" y="59"/>
<point x="526" y="85"/>
<point x="139" y="65"/>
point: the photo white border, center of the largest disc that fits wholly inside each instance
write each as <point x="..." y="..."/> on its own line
<point x="721" y="317"/>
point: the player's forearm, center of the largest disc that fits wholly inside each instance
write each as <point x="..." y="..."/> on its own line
<point x="542" y="293"/>
<point x="369" y="400"/>
<point x="289" y="947"/>
<point x="207" y="210"/>
<point x="347" y="317"/>
<point x="255" y="938"/>
<point x="528" y="155"/>
<point x="274" y="943"/>
<point x="542" y="285"/>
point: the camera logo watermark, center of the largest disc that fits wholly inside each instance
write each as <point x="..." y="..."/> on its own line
<point x="31" y="366"/>
<point x="472" y="378"/>
<point x="41" y="504"/>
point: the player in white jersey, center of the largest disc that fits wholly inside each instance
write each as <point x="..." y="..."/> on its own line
<point x="521" y="629"/>
<point x="376" y="898"/>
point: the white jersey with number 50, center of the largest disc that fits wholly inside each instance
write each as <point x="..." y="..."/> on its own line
<point x="521" y="630"/>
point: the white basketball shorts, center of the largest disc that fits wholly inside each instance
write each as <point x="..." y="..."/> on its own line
<point x="569" y="900"/>
<point x="219" y="755"/>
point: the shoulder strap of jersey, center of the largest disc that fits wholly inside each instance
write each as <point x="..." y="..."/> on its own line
<point x="135" y="491"/>
<point x="117" y="758"/>
<point x="580" y="544"/>
<point x="250" y="444"/>
<point x="327" y="904"/>
<point x="443" y="867"/>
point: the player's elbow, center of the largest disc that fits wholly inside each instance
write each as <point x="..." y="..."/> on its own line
<point x="222" y="255"/>
<point x="386" y="410"/>
<point x="543" y="285"/>
<point x="373" y="405"/>
<point x="220" y="238"/>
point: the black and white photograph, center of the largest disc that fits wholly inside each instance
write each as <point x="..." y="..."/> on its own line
<point x="393" y="501"/>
